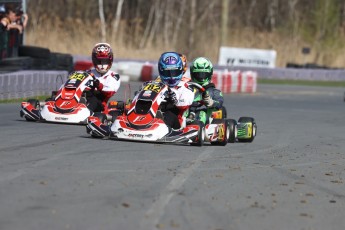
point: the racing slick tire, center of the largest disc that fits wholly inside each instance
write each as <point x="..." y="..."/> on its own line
<point x="34" y="52"/>
<point x="201" y="134"/>
<point x="233" y="130"/>
<point x="103" y="118"/>
<point x="227" y="131"/>
<point x="254" y="128"/>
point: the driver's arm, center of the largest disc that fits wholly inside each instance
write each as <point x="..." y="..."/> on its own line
<point x="217" y="97"/>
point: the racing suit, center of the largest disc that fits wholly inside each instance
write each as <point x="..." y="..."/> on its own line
<point x="203" y="112"/>
<point x="107" y="85"/>
<point x="175" y="113"/>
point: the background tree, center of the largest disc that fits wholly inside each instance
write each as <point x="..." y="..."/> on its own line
<point x="193" y="27"/>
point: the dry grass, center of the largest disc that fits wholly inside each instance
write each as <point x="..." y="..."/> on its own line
<point x="76" y="38"/>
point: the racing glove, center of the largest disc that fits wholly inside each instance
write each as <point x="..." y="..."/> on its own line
<point x="172" y="97"/>
<point x="208" y="101"/>
<point x="190" y="118"/>
<point x="96" y="83"/>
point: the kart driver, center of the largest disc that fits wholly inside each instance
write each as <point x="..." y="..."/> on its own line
<point x="106" y="82"/>
<point x="180" y="96"/>
<point x="201" y="72"/>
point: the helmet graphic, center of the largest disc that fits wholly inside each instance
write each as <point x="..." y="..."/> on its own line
<point x="170" y="68"/>
<point x="102" y="57"/>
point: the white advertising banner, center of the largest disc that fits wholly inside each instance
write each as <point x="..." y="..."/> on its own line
<point x="229" y="56"/>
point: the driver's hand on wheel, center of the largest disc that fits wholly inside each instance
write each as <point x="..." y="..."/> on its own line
<point x="172" y="97"/>
<point x="96" y="83"/>
<point x="208" y="101"/>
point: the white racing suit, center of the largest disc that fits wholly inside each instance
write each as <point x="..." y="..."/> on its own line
<point x="175" y="115"/>
<point x="109" y="83"/>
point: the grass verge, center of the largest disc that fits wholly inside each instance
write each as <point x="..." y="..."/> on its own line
<point x="18" y="100"/>
<point x="302" y="82"/>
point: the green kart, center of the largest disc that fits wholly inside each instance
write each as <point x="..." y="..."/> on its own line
<point x="218" y="128"/>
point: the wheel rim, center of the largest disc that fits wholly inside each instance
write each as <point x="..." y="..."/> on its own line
<point x="227" y="133"/>
<point x="202" y="134"/>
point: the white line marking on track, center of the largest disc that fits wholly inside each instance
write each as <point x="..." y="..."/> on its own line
<point x="156" y="211"/>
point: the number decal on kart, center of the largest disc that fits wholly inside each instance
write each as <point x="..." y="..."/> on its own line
<point x="152" y="87"/>
<point x="78" y="76"/>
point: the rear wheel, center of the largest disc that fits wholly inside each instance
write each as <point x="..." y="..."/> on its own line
<point x="233" y="130"/>
<point x="248" y="120"/>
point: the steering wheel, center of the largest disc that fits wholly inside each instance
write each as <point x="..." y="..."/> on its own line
<point x="201" y="89"/>
<point x="198" y="86"/>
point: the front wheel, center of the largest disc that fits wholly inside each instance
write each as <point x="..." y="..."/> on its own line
<point x="199" y="141"/>
<point x="224" y="131"/>
<point x="247" y="129"/>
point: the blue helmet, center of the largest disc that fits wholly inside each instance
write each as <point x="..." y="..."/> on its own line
<point x="170" y="68"/>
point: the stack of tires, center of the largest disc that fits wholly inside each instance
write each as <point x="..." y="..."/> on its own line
<point x="37" y="58"/>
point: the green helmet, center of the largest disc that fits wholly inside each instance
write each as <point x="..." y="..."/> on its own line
<point x="201" y="71"/>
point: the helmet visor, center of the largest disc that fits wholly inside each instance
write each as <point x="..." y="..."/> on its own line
<point x="102" y="61"/>
<point x="170" y="73"/>
<point x="200" y="76"/>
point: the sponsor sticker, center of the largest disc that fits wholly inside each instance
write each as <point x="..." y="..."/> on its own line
<point x="61" y="118"/>
<point x="136" y="135"/>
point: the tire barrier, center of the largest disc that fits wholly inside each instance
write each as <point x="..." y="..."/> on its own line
<point x="146" y="73"/>
<point x="227" y="81"/>
<point x="235" y="81"/>
<point x="24" y="84"/>
<point x="37" y="58"/>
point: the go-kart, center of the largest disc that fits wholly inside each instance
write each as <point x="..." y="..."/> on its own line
<point x="220" y="130"/>
<point x="67" y="105"/>
<point x="142" y="120"/>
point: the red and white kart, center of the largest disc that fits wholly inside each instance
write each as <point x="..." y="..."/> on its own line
<point x="68" y="105"/>
<point x="142" y="120"/>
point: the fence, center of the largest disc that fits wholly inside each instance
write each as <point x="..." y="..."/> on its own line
<point x="23" y="84"/>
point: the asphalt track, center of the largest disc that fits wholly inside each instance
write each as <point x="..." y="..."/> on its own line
<point x="291" y="177"/>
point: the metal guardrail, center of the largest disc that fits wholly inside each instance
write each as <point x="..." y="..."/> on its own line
<point x="30" y="83"/>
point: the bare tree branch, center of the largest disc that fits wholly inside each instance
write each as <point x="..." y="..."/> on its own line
<point x="179" y="22"/>
<point x="147" y="28"/>
<point x="101" y="16"/>
<point x="116" y="21"/>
